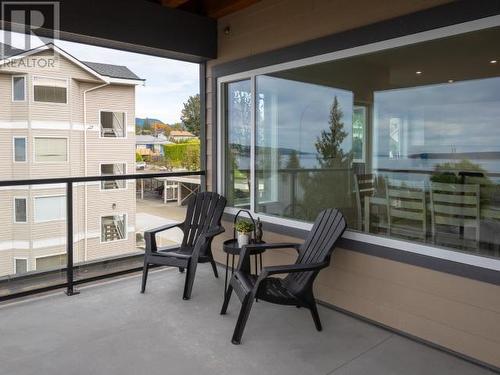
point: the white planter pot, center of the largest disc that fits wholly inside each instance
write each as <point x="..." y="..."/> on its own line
<point x="243" y="239"/>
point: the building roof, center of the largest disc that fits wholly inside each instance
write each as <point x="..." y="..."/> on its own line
<point x="150" y="140"/>
<point x="107" y="70"/>
<point x="181" y="133"/>
<point x="7" y="51"/>
<point x="114" y="71"/>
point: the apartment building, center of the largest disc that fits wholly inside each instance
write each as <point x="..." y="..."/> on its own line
<point x="60" y="117"/>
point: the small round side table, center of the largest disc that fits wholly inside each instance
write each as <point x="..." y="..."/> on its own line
<point x="231" y="247"/>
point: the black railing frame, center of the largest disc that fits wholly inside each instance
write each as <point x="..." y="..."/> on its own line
<point x="69" y="181"/>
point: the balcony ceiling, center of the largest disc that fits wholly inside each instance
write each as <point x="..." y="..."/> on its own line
<point x="210" y="8"/>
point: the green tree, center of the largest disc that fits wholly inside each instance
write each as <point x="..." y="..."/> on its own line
<point x="138" y="130"/>
<point x="190" y="115"/>
<point x="329" y="144"/>
<point x="146" y="125"/>
<point x="329" y="185"/>
<point x="293" y="160"/>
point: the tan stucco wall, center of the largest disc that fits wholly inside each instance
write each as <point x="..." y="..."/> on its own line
<point x="454" y="312"/>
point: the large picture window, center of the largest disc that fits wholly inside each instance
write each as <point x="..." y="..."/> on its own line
<point x="51" y="150"/>
<point x="50" y="90"/>
<point x="405" y="141"/>
<point x="50" y="208"/>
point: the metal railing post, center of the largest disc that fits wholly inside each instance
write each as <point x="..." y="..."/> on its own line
<point x="70" y="291"/>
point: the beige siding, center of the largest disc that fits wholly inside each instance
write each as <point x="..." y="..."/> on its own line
<point x="454" y="312"/>
<point x="64" y="120"/>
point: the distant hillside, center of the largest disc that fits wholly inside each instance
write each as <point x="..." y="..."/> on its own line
<point x="141" y="121"/>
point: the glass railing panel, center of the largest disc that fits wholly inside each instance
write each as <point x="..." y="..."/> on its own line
<point x="32" y="237"/>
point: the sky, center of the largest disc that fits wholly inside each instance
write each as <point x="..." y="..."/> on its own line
<point x="168" y="82"/>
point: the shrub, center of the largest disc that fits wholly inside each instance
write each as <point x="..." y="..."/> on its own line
<point x="138" y="158"/>
<point x="186" y="155"/>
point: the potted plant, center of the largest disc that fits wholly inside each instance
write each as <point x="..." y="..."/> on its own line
<point x="244" y="230"/>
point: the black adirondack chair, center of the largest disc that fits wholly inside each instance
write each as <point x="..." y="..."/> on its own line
<point x="296" y="289"/>
<point x="202" y="224"/>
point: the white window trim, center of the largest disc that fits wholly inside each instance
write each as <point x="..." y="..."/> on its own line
<point x="34" y="209"/>
<point x="124" y="172"/>
<point x="126" y="227"/>
<point x="49" y="77"/>
<point x="21" y="258"/>
<point x="424" y="249"/>
<point x="51" y="162"/>
<point x="14" y="210"/>
<point x="14" y="149"/>
<point x="125" y="124"/>
<point x="25" y="88"/>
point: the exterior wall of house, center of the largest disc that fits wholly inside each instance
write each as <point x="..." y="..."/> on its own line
<point x="457" y="313"/>
<point x="31" y="119"/>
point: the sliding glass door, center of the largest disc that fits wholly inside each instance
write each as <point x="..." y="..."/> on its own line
<point x="237" y="154"/>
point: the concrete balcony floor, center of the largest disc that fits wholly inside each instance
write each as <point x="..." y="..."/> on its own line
<point x="110" y="328"/>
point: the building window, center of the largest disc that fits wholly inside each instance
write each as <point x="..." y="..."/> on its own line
<point x="20" y="210"/>
<point x="405" y="141"/>
<point x="113" y="124"/>
<point x="110" y="170"/>
<point x="51" y="262"/>
<point x="51" y="150"/>
<point x="50" y="208"/>
<point x="113" y="228"/>
<point x="50" y="90"/>
<point x="20" y="149"/>
<point x="18" y="88"/>
<point x="20" y="265"/>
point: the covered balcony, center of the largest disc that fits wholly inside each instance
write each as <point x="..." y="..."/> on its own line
<point x="387" y="111"/>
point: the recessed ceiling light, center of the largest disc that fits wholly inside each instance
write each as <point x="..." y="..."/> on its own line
<point x="418" y="72"/>
<point x="493" y="61"/>
<point x="450" y="81"/>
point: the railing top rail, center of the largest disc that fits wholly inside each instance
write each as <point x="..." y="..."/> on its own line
<point x="65" y="180"/>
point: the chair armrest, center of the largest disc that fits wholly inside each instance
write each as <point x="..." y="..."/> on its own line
<point x="270" y="246"/>
<point x="293" y="268"/>
<point x="162" y="228"/>
<point x="245" y="250"/>
<point x="150" y="235"/>
<point x="290" y="268"/>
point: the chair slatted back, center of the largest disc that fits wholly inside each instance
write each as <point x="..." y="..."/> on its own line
<point x="318" y="246"/>
<point x="407" y="208"/>
<point x="364" y="186"/>
<point x="204" y="213"/>
<point x="454" y="206"/>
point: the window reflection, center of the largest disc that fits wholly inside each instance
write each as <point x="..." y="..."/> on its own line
<point x="408" y="155"/>
<point x="238" y="136"/>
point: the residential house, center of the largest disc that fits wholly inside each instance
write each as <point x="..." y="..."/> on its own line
<point x="181" y="136"/>
<point x="149" y="145"/>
